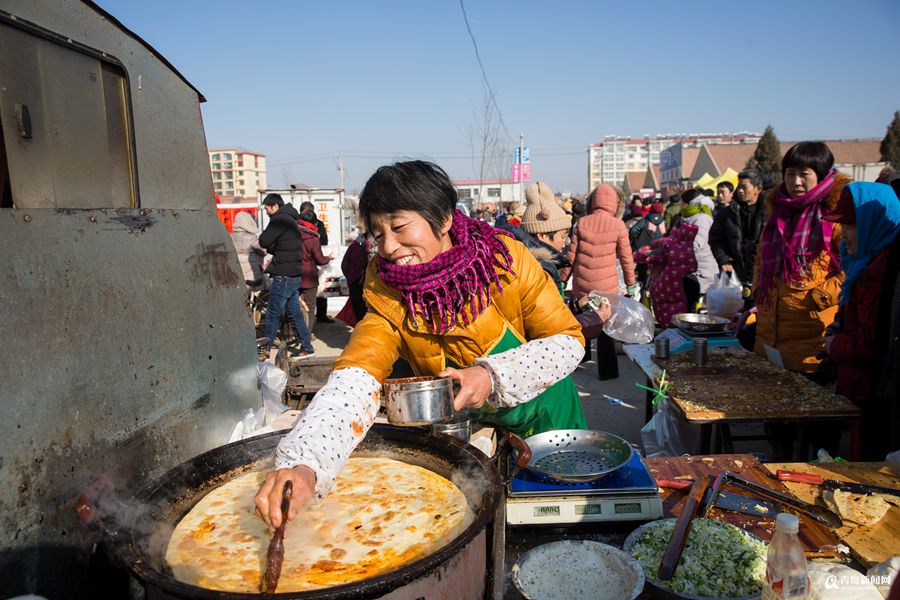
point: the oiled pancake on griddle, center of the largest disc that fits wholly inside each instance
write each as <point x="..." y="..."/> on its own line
<point x="380" y="514"/>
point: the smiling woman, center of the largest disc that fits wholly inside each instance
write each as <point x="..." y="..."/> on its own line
<point x="454" y="297"/>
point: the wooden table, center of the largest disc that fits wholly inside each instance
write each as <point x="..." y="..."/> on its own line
<point x="736" y="386"/>
<point x="868" y="545"/>
<point x="817" y="540"/>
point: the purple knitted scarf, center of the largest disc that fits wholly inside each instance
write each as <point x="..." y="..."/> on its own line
<point x="787" y="245"/>
<point x="440" y="289"/>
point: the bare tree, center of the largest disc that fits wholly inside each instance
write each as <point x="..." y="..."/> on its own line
<point x="485" y="141"/>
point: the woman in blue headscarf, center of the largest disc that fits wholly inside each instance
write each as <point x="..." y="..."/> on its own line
<point x="869" y="214"/>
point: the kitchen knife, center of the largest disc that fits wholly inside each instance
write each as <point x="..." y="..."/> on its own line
<point x="833" y="484"/>
<point x="725" y="500"/>
<point x="820" y="514"/>
<point x="745" y="504"/>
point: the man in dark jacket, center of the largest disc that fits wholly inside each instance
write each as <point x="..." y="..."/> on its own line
<point x="282" y="240"/>
<point x="735" y="231"/>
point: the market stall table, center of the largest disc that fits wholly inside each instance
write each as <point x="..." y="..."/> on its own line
<point x="817" y="540"/>
<point x="869" y="545"/>
<point x="736" y="386"/>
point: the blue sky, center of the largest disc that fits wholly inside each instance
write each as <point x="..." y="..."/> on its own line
<point x="380" y="81"/>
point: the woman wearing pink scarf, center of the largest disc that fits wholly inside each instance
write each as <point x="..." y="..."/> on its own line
<point x="798" y="275"/>
<point x="454" y="297"/>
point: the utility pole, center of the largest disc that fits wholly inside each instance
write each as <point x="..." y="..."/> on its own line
<point x="340" y="169"/>
<point x="521" y="162"/>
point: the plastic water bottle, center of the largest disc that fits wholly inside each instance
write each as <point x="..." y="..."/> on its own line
<point x="786" y="573"/>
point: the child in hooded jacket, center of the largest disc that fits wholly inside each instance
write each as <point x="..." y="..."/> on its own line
<point x="670" y="259"/>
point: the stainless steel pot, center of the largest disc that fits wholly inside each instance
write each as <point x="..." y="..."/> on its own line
<point x="418" y="400"/>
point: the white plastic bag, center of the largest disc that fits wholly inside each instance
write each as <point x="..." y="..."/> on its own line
<point x="631" y="322"/>
<point x="660" y="436"/>
<point x="830" y="581"/>
<point x="726" y="296"/>
<point x="883" y="574"/>
<point x="272" y="382"/>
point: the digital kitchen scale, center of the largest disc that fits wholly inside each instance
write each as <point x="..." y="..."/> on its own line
<point x="627" y="494"/>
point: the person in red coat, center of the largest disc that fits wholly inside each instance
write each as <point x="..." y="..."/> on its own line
<point x="869" y="214"/>
<point x="310" y="261"/>
<point x="598" y="239"/>
<point x="670" y="259"/>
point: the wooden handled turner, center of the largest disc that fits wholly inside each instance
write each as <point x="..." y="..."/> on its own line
<point x="275" y="555"/>
<point x="682" y="528"/>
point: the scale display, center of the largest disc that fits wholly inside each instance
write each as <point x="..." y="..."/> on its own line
<point x="546" y="511"/>
<point x="588" y="509"/>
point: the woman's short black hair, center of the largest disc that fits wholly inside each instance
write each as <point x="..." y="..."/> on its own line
<point x="414" y="185"/>
<point x="813" y="155"/>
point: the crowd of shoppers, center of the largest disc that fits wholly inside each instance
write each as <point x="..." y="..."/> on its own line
<point x="818" y="258"/>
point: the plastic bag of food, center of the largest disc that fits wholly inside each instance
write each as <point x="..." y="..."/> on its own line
<point x="631" y="322"/>
<point x="726" y="296"/>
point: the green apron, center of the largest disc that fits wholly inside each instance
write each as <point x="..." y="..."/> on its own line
<point x="557" y="407"/>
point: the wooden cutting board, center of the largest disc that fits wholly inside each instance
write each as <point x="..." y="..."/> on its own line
<point x="817" y="540"/>
<point x="869" y="545"/>
<point x="747" y="387"/>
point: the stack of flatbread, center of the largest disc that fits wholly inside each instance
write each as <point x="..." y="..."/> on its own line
<point x="858" y="509"/>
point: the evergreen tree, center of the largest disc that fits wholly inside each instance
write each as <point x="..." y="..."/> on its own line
<point x="767" y="156"/>
<point x="890" y="145"/>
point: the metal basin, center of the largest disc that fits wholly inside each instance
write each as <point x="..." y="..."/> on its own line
<point x="696" y="323"/>
<point x="412" y="401"/>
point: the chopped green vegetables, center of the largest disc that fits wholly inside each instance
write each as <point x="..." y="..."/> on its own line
<point x="719" y="560"/>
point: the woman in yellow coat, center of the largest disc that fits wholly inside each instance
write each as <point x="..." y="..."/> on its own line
<point x="454" y="297"/>
<point x="798" y="273"/>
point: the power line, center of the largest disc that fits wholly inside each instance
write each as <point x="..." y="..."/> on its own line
<point x="484" y="73"/>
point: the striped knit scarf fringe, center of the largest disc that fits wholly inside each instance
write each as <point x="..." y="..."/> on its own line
<point x="440" y="290"/>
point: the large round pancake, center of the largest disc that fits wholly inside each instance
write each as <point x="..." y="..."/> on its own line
<point x="382" y="513"/>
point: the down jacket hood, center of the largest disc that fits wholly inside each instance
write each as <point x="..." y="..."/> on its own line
<point x="244" y="221"/>
<point x="605" y="198"/>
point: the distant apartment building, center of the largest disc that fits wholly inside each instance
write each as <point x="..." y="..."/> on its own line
<point x="609" y="160"/>
<point x="237" y="174"/>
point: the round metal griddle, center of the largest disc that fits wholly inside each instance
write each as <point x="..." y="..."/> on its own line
<point x="169" y="498"/>
<point x="576" y="455"/>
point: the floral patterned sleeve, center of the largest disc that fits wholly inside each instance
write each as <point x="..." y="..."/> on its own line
<point x="333" y="424"/>
<point x="520" y="374"/>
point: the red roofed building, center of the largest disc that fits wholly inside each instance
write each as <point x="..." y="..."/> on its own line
<point x="609" y="160"/>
